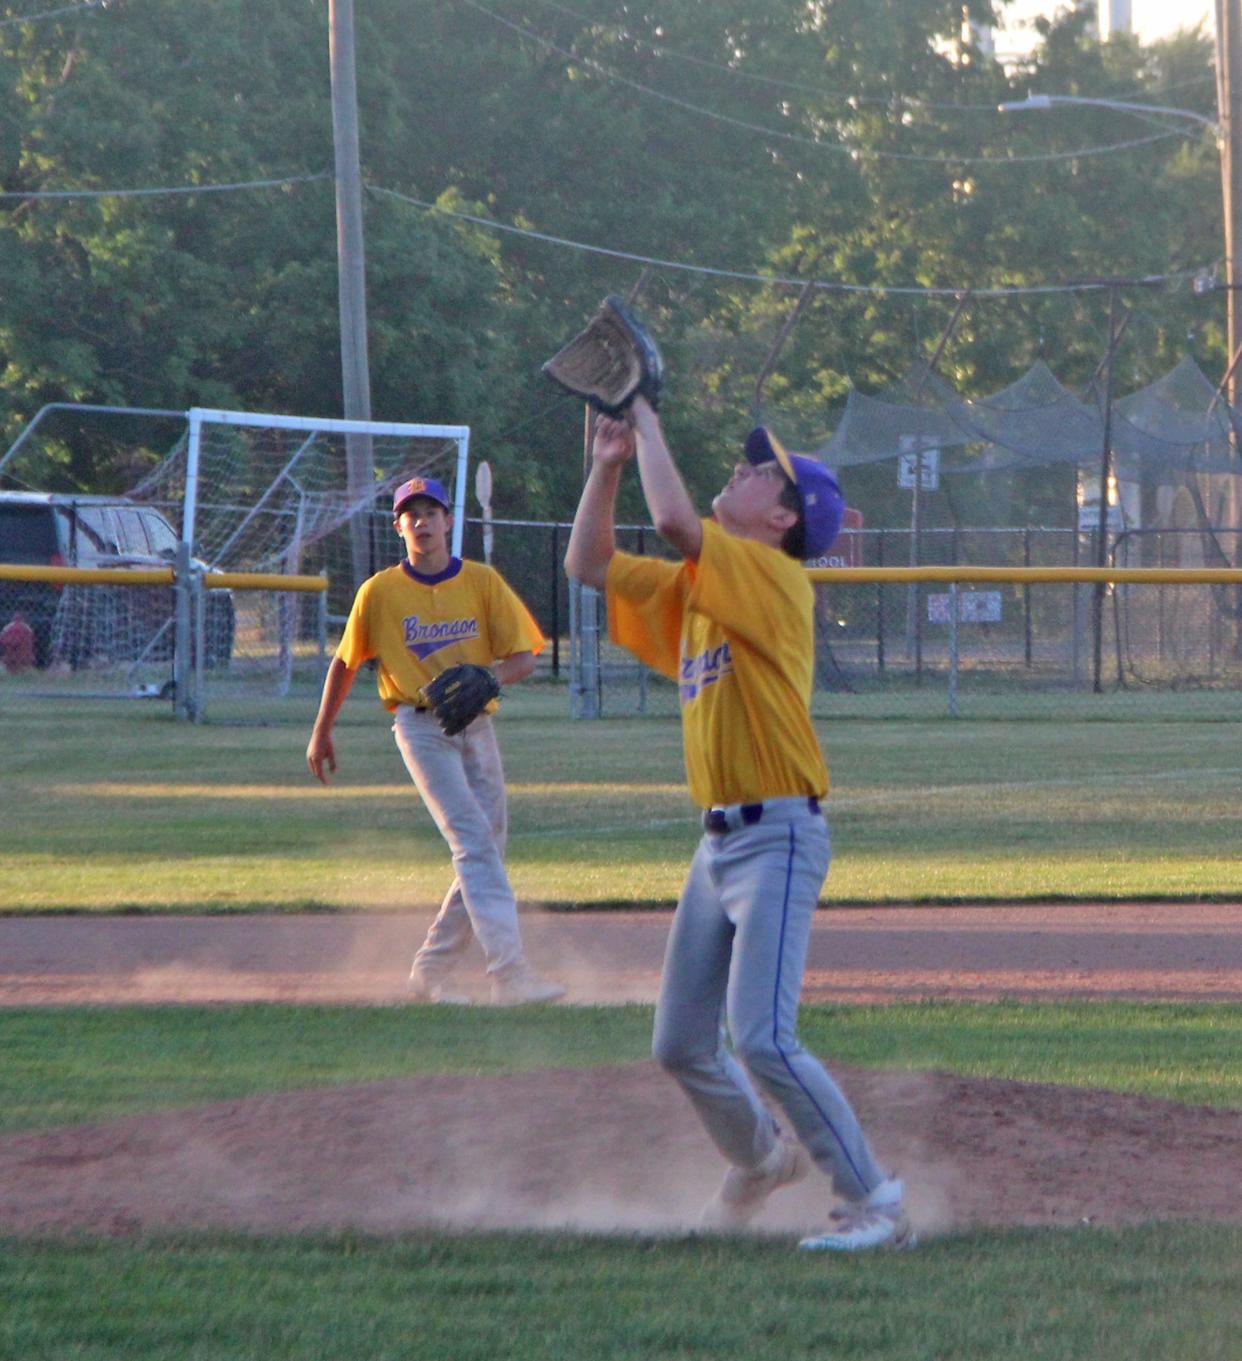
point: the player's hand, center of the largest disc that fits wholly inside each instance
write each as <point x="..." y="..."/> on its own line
<point x="613" y="444"/>
<point x="321" y="756"/>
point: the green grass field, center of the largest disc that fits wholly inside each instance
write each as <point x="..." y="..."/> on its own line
<point x="1160" y="1293"/>
<point x="72" y="1066"/>
<point x="116" y="807"/>
<point x="1166" y="1290"/>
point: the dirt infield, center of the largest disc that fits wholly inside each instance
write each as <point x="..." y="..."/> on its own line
<point x="448" y="1151"/>
<point x="1174" y="952"/>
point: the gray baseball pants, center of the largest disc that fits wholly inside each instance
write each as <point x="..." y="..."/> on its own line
<point x="736" y="955"/>
<point x="461" y="781"/>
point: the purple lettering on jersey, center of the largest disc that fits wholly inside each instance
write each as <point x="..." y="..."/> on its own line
<point x="697" y="673"/>
<point x="424" y="639"/>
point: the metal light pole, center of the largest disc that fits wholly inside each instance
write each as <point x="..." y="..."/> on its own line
<point x="1226" y="132"/>
<point x="1106" y="474"/>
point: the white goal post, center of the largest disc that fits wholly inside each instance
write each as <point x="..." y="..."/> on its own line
<point x="198" y="416"/>
<point x="290" y="495"/>
<point x="249" y="513"/>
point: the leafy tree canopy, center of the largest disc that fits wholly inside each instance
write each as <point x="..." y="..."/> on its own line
<point x="855" y="142"/>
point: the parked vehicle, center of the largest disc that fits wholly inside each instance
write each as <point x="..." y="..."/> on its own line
<point x="85" y="624"/>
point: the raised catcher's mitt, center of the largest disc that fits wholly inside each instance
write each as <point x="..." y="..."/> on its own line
<point x="459" y="695"/>
<point x="611" y="361"/>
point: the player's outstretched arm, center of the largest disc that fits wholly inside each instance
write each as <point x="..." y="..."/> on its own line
<point x="515" y="667"/>
<point x="672" y="511"/>
<point x="320" y="751"/>
<point x="592" y="541"/>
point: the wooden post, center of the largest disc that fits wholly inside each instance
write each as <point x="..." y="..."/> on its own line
<point x="351" y="278"/>
<point x="1229" y="116"/>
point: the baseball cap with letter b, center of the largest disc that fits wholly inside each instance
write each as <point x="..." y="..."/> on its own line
<point x="419" y="486"/>
<point x="823" y="505"/>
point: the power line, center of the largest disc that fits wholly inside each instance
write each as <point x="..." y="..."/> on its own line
<point x="161" y="190"/>
<point x="52" y="13"/>
<point x="855" y="153"/>
<point x="910" y="101"/>
<point x="660" y="49"/>
<point x="824" y="285"/>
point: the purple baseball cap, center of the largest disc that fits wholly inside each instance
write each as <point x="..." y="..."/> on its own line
<point x="822" y="503"/>
<point x="419" y="486"/>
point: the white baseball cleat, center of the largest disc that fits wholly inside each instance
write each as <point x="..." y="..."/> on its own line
<point x="879" y="1221"/>
<point x="425" y="986"/>
<point x="524" y="987"/>
<point x="745" y="1190"/>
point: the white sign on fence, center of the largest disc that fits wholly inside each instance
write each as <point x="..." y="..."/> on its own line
<point x="973" y="607"/>
<point x="906" y="464"/>
<point x="1089" y="517"/>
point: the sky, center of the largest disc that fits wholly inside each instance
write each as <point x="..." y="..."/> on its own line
<point x="1150" y="18"/>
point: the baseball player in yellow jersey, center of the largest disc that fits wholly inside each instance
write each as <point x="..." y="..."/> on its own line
<point x="732" y="624"/>
<point x="430" y="612"/>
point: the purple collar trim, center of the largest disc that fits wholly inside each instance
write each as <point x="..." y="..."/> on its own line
<point x="435" y="578"/>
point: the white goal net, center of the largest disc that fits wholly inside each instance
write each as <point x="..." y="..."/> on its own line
<point x="237" y="493"/>
<point x="295" y="495"/>
<point x="269" y="493"/>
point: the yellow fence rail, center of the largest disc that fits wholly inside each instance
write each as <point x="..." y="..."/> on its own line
<point x="96" y="576"/>
<point x="160" y="576"/>
<point x="263" y="581"/>
<point x="1168" y="576"/>
<point x="278" y="581"/>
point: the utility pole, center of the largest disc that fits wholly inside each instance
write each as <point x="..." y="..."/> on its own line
<point x="351" y="278"/>
<point x="1229" y="118"/>
<point x="1229" y="112"/>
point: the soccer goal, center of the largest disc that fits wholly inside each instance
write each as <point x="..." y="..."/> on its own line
<point x="201" y="581"/>
<point x="295" y="497"/>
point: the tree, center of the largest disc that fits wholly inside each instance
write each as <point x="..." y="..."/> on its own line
<point x="222" y="299"/>
<point x="855" y="142"/>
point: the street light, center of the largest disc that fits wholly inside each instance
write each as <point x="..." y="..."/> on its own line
<point x="1036" y="102"/>
<point x="1232" y="200"/>
<point x="1039" y="102"/>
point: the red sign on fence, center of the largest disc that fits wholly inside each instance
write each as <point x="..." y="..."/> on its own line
<point x="848" y="549"/>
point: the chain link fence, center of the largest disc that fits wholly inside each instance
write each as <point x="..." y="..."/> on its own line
<point x="1046" y="650"/>
<point x="603" y="680"/>
<point x="1039" y="649"/>
<point x="255" y="652"/>
<point x="101" y="639"/>
<point x="883" y="649"/>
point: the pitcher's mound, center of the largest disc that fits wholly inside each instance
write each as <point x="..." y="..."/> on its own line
<point x="608" y="1149"/>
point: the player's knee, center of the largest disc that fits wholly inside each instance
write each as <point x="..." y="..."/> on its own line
<point x="765" y="1058"/>
<point x="668" y="1052"/>
<point x="471" y="838"/>
<point x="675" y="1054"/>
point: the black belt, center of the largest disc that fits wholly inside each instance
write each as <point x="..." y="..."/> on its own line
<point x="716" y="819"/>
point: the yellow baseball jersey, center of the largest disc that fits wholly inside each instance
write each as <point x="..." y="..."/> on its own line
<point x="735" y="631"/>
<point x="416" y="626"/>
